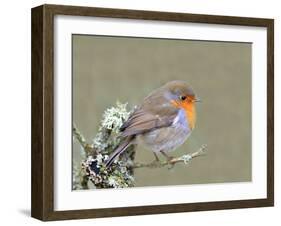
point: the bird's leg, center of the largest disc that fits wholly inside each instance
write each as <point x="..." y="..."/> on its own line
<point x="156" y="157"/>
<point x="169" y="159"/>
<point x="156" y="163"/>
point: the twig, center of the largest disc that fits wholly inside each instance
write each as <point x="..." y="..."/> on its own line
<point x="185" y="159"/>
<point x="79" y="137"/>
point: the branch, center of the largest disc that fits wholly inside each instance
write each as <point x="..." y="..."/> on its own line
<point x="185" y="159"/>
<point x="80" y="138"/>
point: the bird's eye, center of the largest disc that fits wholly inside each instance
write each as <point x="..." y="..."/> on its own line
<point x="182" y="97"/>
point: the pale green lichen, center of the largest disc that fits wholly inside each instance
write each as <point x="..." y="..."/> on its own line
<point x="117" y="176"/>
<point x="112" y="119"/>
<point x="186" y="158"/>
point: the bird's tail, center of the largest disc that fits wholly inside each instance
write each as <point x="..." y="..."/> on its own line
<point x="122" y="147"/>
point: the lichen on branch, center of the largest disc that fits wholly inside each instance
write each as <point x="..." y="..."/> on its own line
<point x="96" y="153"/>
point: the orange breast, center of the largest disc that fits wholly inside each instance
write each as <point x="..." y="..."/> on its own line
<point x="189" y="109"/>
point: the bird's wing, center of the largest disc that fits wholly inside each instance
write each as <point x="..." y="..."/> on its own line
<point x="147" y="117"/>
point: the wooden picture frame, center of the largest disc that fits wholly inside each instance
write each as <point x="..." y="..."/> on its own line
<point x="42" y="203"/>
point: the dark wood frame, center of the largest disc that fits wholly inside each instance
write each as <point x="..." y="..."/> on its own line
<point x="42" y="202"/>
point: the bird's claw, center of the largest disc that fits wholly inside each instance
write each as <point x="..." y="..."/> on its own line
<point x="171" y="163"/>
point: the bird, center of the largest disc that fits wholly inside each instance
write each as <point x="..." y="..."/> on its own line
<point x="162" y="122"/>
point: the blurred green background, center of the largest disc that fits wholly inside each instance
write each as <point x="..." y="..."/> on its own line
<point x="107" y="69"/>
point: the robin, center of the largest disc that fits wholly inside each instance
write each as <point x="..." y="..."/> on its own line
<point x="163" y="121"/>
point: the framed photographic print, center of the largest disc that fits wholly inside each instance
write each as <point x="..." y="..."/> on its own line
<point x="141" y="112"/>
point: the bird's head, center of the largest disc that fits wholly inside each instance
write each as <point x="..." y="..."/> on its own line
<point x="181" y="95"/>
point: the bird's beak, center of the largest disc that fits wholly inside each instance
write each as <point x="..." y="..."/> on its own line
<point x="197" y="100"/>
